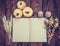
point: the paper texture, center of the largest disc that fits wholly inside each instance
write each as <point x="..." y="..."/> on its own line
<point x="38" y="30"/>
<point x="29" y="30"/>
<point x="21" y="30"/>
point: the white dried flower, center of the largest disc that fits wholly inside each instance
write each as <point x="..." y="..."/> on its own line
<point x="40" y="13"/>
<point x="48" y="14"/>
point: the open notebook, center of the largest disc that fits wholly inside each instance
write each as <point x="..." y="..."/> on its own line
<point x="29" y="30"/>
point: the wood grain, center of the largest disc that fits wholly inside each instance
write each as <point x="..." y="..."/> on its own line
<point x="6" y="8"/>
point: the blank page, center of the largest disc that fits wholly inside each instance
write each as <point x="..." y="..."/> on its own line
<point x="20" y="30"/>
<point x="38" y="30"/>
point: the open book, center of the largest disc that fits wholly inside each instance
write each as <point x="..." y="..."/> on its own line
<point x="29" y="30"/>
